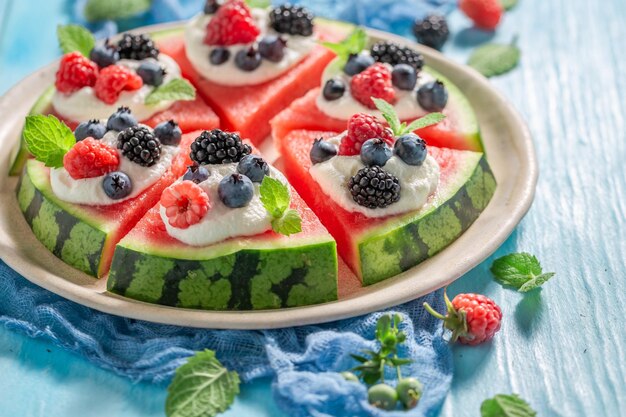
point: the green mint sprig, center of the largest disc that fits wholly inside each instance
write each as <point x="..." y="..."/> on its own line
<point x="202" y="387"/>
<point x="114" y="9"/>
<point x="503" y="405"/>
<point x="275" y="198"/>
<point x="75" y="38"/>
<point x="259" y="4"/>
<point x="48" y="139"/>
<point x="351" y="45"/>
<point x="401" y="128"/>
<point x="175" y="90"/>
<point x="495" y="59"/>
<point x="521" y="271"/>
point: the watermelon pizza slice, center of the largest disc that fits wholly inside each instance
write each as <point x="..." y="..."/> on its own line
<point x="388" y="71"/>
<point x="230" y="234"/>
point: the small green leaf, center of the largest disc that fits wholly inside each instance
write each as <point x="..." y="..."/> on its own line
<point x="75" y="38"/>
<point x="383" y="327"/>
<point x="398" y="128"/>
<point x="508" y="4"/>
<point x="351" y="45"/>
<point x="202" y="387"/>
<point x="506" y="406"/>
<point x="289" y="224"/>
<point x="115" y="9"/>
<point x="259" y="4"/>
<point x="274" y="196"/>
<point x="495" y="59"/>
<point x="48" y="139"/>
<point x="428" y="120"/>
<point x="520" y="270"/>
<point x="175" y="90"/>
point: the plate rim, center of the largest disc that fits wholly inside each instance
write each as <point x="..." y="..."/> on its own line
<point x="383" y="294"/>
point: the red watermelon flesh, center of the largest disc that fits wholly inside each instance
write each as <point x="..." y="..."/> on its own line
<point x="248" y="109"/>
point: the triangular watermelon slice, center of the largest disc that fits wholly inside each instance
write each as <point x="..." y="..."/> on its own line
<point x="378" y="248"/>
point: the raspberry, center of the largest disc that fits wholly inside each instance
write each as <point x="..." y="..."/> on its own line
<point x="375" y="81"/>
<point x="113" y="80"/>
<point x="75" y="72"/>
<point x="473" y="318"/>
<point x="485" y="14"/>
<point x="232" y="24"/>
<point x="90" y="158"/>
<point x="362" y="127"/>
<point x="185" y="204"/>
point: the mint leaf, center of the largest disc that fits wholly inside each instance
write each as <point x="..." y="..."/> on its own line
<point x="519" y="270"/>
<point x="48" y="139"/>
<point x="351" y="45"/>
<point x="506" y="406"/>
<point x="202" y="387"/>
<point x="177" y="89"/>
<point x="398" y="128"/>
<point x="428" y="120"/>
<point x="259" y="4"/>
<point x="495" y="59"/>
<point x="508" y="4"/>
<point x="289" y="224"/>
<point x="274" y="196"/>
<point x="75" y="38"/>
<point x="114" y="9"/>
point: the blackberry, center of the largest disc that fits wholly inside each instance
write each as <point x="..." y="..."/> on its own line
<point x="431" y="31"/>
<point x="294" y="20"/>
<point x="373" y="187"/>
<point x="139" y="145"/>
<point x="218" y="147"/>
<point x="137" y="47"/>
<point x="392" y="53"/>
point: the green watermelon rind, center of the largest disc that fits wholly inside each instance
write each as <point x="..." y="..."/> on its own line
<point x="61" y="227"/>
<point x="260" y="278"/>
<point x="404" y="242"/>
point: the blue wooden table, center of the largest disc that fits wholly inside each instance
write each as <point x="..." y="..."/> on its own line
<point x="562" y="348"/>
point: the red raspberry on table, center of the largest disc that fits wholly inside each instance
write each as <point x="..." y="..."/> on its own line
<point x="232" y="24"/>
<point x="362" y="127"/>
<point x="75" y="72"/>
<point x="113" y="80"/>
<point x="375" y="81"/>
<point x="90" y="158"/>
<point x="473" y="318"/>
<point x="185" y="204"/>
<point x="485" y="14"/>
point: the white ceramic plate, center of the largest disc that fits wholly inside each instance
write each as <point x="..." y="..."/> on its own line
<point x="510" y="153"/>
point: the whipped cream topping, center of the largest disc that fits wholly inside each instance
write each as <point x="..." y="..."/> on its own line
<point x="298" y="47"/>
<point x="343" y="108"/>
<point x="83" y="104"/>
<point x="417" y="183"/>
<point x="221" y="222"/>
<point x="90" y="190"/>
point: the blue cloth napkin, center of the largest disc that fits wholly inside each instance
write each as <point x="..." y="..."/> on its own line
<point x="304" y="361"/>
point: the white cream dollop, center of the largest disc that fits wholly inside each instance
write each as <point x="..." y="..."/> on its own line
<point x="84" y="105"/>
<point x="298" y="47"/>
<point x="343" y="108"/>
<point x="221" y="222"/>
<point x="90" y="190"/>
<point x="417" y="183"/>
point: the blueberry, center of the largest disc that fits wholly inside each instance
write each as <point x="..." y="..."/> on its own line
<point x="235" y="190"/>
<point x="90" y="129"/>
<point x="248" y="59"/>
<point x="253" y="167"/>
<point x="382" y="396"/>
<point x="404" y="77"/>
<point x="375" y="152"/>
<point x="334" y="89"/>
<point x="409" y="392"/>
<point x="219" y="55"/>
<point x="211" y="6"/>
<point x="104" y="55"/>
<point x="322" y="151"/>
<point x="151" y="73"/>
<point x="121" y="119"/>
<point x="117" y="185"/>
<point x="168" y="132"/>
<point x="358" y="63"/>
<point x="411" y="149"/>
<point x="196" y="173"/>
<point x="272" y="48"/>
<point x="432" y="96"/>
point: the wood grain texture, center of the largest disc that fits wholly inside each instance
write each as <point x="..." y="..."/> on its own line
<point x="561" y="348"/>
